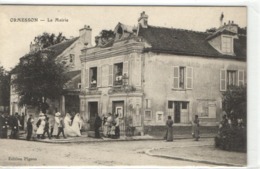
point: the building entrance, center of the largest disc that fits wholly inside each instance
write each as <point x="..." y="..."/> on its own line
<point x="93" y="110"/>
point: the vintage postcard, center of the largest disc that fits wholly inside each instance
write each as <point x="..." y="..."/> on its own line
<point x="123" y="86"/>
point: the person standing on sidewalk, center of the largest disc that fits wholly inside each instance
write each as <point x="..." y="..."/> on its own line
<point x="29" y="127"/>
<point x="46" y="129"/>
<point x="61" y="128"/>
<point x="169" y="131"/>
<point x="196" y="128"/>
<point x="97" y="125"/>
<point x="117" y="129"/>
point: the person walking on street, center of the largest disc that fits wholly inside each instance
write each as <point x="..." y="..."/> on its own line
<point x="169" y="131"/>
<point x="29" y="127"/>
<point x="61" y="128"/>
<point x="46" y="129"/>
<point x="196" y="128"/>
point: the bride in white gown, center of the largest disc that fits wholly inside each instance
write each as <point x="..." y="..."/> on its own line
<point x="76" y="125"/>
<point x="71" y="129"/>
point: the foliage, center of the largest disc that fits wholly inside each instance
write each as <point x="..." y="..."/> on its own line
<point x="48" y="39"/>
<point x="235" y="102"/>
<point x="232" y="139"/>
<point x="104" y="37"/>
<point x="4" y="87"/>
<point x="39" y="77"/>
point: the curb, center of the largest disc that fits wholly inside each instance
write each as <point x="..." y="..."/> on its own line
<point x="148" y="152"/>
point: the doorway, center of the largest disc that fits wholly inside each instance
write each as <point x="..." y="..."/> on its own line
<point x="177" y="112"/>
<point x="118" y="108"/>
<point x="93" y="110"/>
<point x="181" y="112"/>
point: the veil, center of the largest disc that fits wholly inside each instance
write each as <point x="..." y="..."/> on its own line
<point x="76" y="125"/>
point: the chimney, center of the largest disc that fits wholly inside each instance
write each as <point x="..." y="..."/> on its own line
<point x="143" y="20"/>
<point x="85" y="35"/>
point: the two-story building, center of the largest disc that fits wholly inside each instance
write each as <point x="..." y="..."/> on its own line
<point x="147" y="73"/>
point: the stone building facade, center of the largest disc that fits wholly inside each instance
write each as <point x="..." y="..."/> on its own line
<point x="147" y="73"/>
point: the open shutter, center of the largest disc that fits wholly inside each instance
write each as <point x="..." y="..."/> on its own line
<point x="110" y="75"/>
<point x="99" y="76"/>
<point x="223" y="77"/>
<point x="241" y="77"/>
<point x="189" y="78"/>
<point x="176" y="77"/>
<point x="125" y="68"/>
<point x="87" y="78"/>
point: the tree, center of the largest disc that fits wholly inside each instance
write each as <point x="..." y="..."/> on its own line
<point x="48" y="39"/>
<point x="4" y="88"/>
<point x="235" y="101"/>
<point x="39" y="77"/>
<point x="104" y="37"/>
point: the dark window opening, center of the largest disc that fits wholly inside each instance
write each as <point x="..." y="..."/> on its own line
<point x="182" y="77"/>
<point x="93" y="77"/>
<point x="170" y="104"/>
<point x="118" y="70"/>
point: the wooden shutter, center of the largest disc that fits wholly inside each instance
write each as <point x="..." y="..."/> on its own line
<point x="99" y="76"/>
<point x="223" y="77"/>
<point x="176" y="75"/>
<point x="125" y="68"/>
<point x="110" y="75"/>
<point x="87" y="77"/>
<point x="189" y="78"/>
<point x="241" y="77"/>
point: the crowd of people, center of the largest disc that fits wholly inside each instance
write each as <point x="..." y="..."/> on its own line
<point x="111" y="126"/>
<point x="52" y="127"/>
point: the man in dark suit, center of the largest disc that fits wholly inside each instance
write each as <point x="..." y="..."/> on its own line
<point x="29" y="127"/>
<point x="1" y="124"/>
<point x="15" y="126"/>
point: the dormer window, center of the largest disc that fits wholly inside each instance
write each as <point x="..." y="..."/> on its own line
<point x="227" y="45"/>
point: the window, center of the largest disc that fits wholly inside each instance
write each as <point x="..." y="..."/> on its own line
<point x="93" y="77"/>
<point x="118" y="74"/>
<point x="206" y="109"/>
<point x="79" y="85"/>
<point x="147" y="103"/>
<point x="147" y="114"/>
<point x="227" y="45"/>
<point x="231" y="78"/>
<point x="182" y="77"/>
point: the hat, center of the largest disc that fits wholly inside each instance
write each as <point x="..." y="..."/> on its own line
<point x="41" y="114"/>
<point x="57" y="114"/>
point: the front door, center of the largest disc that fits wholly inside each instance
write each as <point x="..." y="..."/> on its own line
<point x="177" y="112"/>
<point x="93" y="110"/>
<point x="118" y="108"/>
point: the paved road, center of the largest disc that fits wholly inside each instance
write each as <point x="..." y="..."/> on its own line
<point x="126" y="153"/>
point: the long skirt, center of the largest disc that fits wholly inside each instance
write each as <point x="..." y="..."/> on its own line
<point x="169" y="134"/>
<point x="196" y="132"/>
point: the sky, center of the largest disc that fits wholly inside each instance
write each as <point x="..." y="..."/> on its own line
<point x="15" y="37"/>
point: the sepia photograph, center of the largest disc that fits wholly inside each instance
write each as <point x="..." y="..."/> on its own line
<point x="113" y="86"/>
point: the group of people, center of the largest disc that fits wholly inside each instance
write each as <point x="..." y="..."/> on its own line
<point x="67" y="126"/>
<point x="10" y="122"/>
<point x="195" y="129"/>
<point x="110" y="124"/>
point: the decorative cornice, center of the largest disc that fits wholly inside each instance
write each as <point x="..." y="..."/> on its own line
<point x="113" y="51"/>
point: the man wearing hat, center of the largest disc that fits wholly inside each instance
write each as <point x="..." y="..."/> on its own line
<point x="29" y="127"/>
<point x="15" y="124"/>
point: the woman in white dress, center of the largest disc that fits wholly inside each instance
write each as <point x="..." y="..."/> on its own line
<point x="68" y="130"/>
<point x="41" y="125"/>
<point x="76" y="125"/>
<point x="56" y="123"/>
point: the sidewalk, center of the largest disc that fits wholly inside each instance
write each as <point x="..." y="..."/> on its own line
<point x="203" y="152"/>
<point x="84" y="138"/>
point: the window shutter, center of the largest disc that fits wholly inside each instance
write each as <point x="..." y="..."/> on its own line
<point x="223" y="75"/>
<point x="176" y="77"/>
<point x="125" y="68"/>
<point x="87" y="77"/>
<point x="189" y="78"/>
<point x="241" y="77"/>
<point x="110" y="75"/>
<point x="99" y="76"/>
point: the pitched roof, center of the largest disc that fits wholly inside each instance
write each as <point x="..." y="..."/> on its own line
<point x="185" y="42"/>
<point x="60" y="47"/>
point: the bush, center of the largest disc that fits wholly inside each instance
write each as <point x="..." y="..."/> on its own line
<point x="232" y="139"/>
